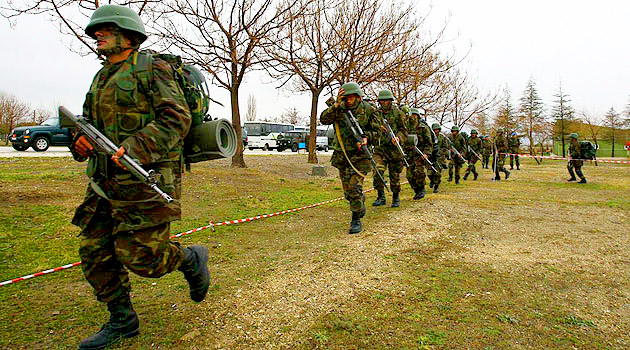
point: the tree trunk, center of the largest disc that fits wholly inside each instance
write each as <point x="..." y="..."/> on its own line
<point x="312" y="142"/>
<point x="237" y="160"/>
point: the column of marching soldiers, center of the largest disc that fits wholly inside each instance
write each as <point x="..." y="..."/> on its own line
<point x="390" y="137"/>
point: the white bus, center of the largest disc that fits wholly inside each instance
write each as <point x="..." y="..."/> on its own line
<point x="263" y="134"/>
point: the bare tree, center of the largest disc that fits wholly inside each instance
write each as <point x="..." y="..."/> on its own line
<point x="505" y="118"/>
<point x="593" y="125"/>
<point x="250" y="116"/>
<point x="12" y="111"/>
<point x="292" y="116"/>
<point x="613" y="122"/>
<point x="481" y="122"/>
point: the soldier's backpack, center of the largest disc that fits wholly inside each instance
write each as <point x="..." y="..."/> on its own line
<point x="587" y="150"/>
<point x="206" y="139"/>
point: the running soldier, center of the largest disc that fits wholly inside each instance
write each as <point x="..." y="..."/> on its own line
<point x="514" y="144"/>
<point x="124" y="225"/>
<point x="501" y="149"/>
<point x="386" y="153"/>
<point x="348" y="157"/>
<point x="575" y="151"/>
<point x="440" y="161"/>
<point x="416" y="173"/>
<point x="474" y="149"/>
<point x="458" y="143"/>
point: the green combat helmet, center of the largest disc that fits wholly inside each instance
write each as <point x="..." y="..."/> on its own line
<point x="473" y="132"/>
<point x="414" y="111"/>
<point x="352" y="88"/>
<point x="573" y="136"/>
<point x="455" y="128"/>
<point x="123" y="17"/>
<point x="385" y="95"/>
<point x="405" y="109"/>
<point x="436" y="126"/>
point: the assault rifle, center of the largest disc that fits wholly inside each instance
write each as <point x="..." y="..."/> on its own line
<point x="106" y="145"/>
<point x="455" y="149"/>
<point x="425" y="157"/>
<point x="357" y="132"/>
<point x="475" y="153"/>
<point x="395" y="140"/>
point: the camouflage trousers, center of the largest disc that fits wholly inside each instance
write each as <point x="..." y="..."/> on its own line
<point x="577" y="166"/>
<point x="394" y="167"/>
<point x="513" y="159"/>
<point x="416" y="174"/>
<point x="486" y="160"/>
<point x="352" y="182"/>
<point x="471" y="168"/>
<point x="107" y="255"/>
<point x="456" y="165"/>
<point x="500" y="163"/>
<point x="436" y="177"/>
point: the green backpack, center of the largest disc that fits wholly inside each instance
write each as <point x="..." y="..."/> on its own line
<point x="207" y="139"/>
<point x="588" y="150"/>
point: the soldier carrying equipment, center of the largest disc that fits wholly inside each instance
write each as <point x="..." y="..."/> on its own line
<point x="395" y="141"/>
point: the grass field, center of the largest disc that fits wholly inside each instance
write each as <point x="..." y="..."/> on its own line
<point x="529" y="263"/>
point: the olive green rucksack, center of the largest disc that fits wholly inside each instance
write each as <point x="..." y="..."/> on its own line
<point x="587" y="150"/>
<point x="207" y="139"/>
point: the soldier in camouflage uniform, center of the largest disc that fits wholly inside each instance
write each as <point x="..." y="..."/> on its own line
<point x="440" y="159"/>
<point x="487" y="151"/>
<point x="474" y="150"/>
<point x="416" y="172"/>
<point x="457" y="142"/>
<point x="514" y="143"/>
<point x="575" y="151"/>
<point x="352" y="162"/>
<point x="386" y="153"/>
<point x="501" y="149"/>
<point x="125" y="225"/>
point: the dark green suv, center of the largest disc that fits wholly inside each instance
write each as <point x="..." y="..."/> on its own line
<point x="291" y="140"/>
<point x="40" y="137"/>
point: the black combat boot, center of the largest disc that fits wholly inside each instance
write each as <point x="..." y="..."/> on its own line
<point x="195" y="269"/>
<point x="431" y="184"/>
<point x="396" y="200"/>
<point x="435" y="188"/>
<point x="380" y="200"/>
<point x="123" y="323"/>
<point x="466" y="176"/>
<point x="582" y="178"/>
<point x="450" y="178"/>
<point x="355" y="224"/>
<point x="456" y="180"/>
<point x="476" y="175"/>
<point x="507" y="174"/>
<point x="497" y="177"/>
<point x="571" y="179"/>
<point x="420" y="194"/>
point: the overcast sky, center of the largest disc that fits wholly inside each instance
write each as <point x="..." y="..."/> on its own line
<point x="582" y="43"/>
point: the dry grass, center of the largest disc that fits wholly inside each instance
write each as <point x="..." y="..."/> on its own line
<point x="528" y="263"/>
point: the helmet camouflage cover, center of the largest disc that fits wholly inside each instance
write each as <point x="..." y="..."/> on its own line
<point x="436" y="126"/>
<point x="121" y="16"/>
<point x="385" y="95"/>
<point x="473" y="132"/>
<point x="455" y="128"/>
<point x="352" y="88"/>
<point x="573" y="136"/>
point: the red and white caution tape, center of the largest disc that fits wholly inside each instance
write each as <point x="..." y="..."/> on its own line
<point x="564" y="158"/>
<point x="210" y="225"/>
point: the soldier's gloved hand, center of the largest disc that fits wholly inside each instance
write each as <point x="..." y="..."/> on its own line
<point x="362" y="143"/>
<point x="116" y="157"/>
<point x="83" y="146"/>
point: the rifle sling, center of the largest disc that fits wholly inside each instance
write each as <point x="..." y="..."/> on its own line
<point x="338" y="133"/>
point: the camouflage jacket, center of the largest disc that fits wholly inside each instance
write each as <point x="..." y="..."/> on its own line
<point x="575" y="150"/>
<point x="514" y="144"/>
<point x="443" y="146"/>
<point x="423" y="133"/>
<point x="501" y="143"/>
<point x="487" y="147"/>
<point x="365" y="113"/>
<point x="459" y="143"/>
<point x="474" y="144"/>
<point x="398" y="121"/>
<point x="150" y="122"/>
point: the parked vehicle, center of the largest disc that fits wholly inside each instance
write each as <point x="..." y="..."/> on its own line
<point x="264" y="134"/>
<point x="291" y="140"/>
<point x="40" y="137"/>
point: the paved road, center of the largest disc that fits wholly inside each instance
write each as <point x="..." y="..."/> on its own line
<point x="9" y="152"/>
